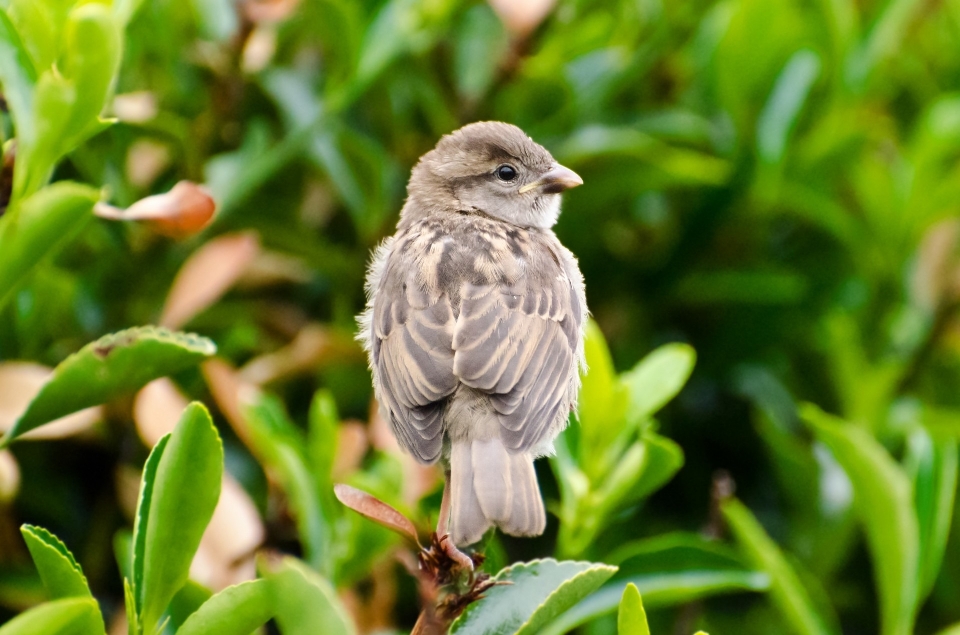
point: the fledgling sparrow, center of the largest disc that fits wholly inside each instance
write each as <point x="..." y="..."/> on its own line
<point x="474" y="324"/>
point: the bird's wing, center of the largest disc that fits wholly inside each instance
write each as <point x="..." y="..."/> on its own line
<point x="411" y="351"/>
<point x="520" y="343"/>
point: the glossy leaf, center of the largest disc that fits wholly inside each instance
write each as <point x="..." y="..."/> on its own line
<point x="305" y="603"/>
<point x="538" y="592"/>
<point x="237" y="610"/>
<point x="61" y="575"/>
<point x="657" y="379"/>
<point x="786" y="589"/>
<point x="38" y="226"/>
<point x="69" y="616"/>
<point x="114" y="365"/>
<point x="671" y="569"/>
<point x="884" y="502"/>
<point x="184" y="494"/>
<point x="632" y="619"/>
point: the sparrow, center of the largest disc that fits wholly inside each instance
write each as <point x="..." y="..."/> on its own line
<point x="474" y="325"/>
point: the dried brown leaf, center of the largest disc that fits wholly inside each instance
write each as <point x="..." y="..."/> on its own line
<point x="376" y="510"/>
<point x="146" y="160"/>
<point x="183" y="211"/>
<point x="227" y="549"/>
<point x="157" y="409"/>
<point x="352" y="446"/>
<point x="231" y="394"/>
<point x="269" y="10"/>
<point x="9" y="476"/>
<point x="207" y="275"/>
<point x="521" y="18"/>
<point x="137" y="107"/>
<point x="19" y="384"/>
<point x="313" y="347"/>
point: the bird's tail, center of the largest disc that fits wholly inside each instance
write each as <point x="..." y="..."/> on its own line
<point x="490" y="486"/>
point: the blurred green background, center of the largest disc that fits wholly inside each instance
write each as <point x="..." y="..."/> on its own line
<point x="775" y="183"/>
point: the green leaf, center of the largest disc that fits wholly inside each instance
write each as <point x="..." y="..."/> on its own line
<point x="479" y="51"/>
<point x="787" y="98"/>
<point x="237" y="610"/>
<point x="69" y="616"/>
<point x="305" y="603"/>
<point x="657" y="379"/>
<point x="932" y="466"/>
<point x="786" y="589"/>
<point x="884" y="503"/>
<point x="139" y="540"/>
<point x="632" y="619"/>
<point x="602" y="405"/>
<point x="278" y="444"/>
<point x="38" y="226"/>
<point x="114" y="365"/>
<point x="670" y="569"/>
<point x="186" y="602"/>
<point x="184" y="493"/>
<point x="538" y="592"/>
<point x="17" y="75"/>
<point x="92" y="58"/>
<point x="61" y="575"/>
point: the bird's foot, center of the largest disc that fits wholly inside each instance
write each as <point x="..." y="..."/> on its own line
<point x="455" y="554"/>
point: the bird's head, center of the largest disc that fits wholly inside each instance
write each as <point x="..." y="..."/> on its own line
<point x="494" y="168"/>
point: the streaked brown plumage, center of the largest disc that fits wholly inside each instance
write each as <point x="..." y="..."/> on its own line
<point x="474" y="323"/>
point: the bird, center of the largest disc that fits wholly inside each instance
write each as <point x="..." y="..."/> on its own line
<point x="474" y="325"/>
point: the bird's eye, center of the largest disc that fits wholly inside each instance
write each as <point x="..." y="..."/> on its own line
<point x="506" y="172"/>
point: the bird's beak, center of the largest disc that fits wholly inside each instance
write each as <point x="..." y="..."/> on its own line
<point x="556" y="180"/>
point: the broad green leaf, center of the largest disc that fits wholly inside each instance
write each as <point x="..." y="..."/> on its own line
<point x="186" y="602"/>
<point x="657" y="379"/>
<point x="786" y="589"/>
<point x="17" y="76"/>
<point x="671" y="569"/>
<point x="184" y="494"/>
<point x="278" y="444"/>
<point x="237" y="610"/>
<point x="884" y="502"/>
<point x="632" y="619"/>
<point x="602" y="405"/>
<point x="69" y="616"/>
<point x="61" y="575"/>
<point x="92" y="58"/>
<point x="932" y="466"/>
<point x="304" y="603"/>
<point x="479" y="51"/>
<point x="114" y="365"/>
<point x="787" y="98"/>
<point x="668" y="589"/>
<point x="538" y="592"/>
<point x="38" y="226"/>
<point x="950" y="630"/>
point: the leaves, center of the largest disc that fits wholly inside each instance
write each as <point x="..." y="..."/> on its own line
<point x="58" y="569"/>
<point x="38" y="226"/>
<point x="657" y="379"/>
<point x="884" y="502"/>
<point x="237" y="610"/>
<point x="180" y="498"/>
<point x="632" y="619"/>
<point x="376" y="510"/>
<point x="69" y="616"/>
<point x="113" y="365"/>
<point x="183" y="211"/>
<point x="305" y="603"/>
<point x="537" y="593"/>
<point x="786" y="589"/>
